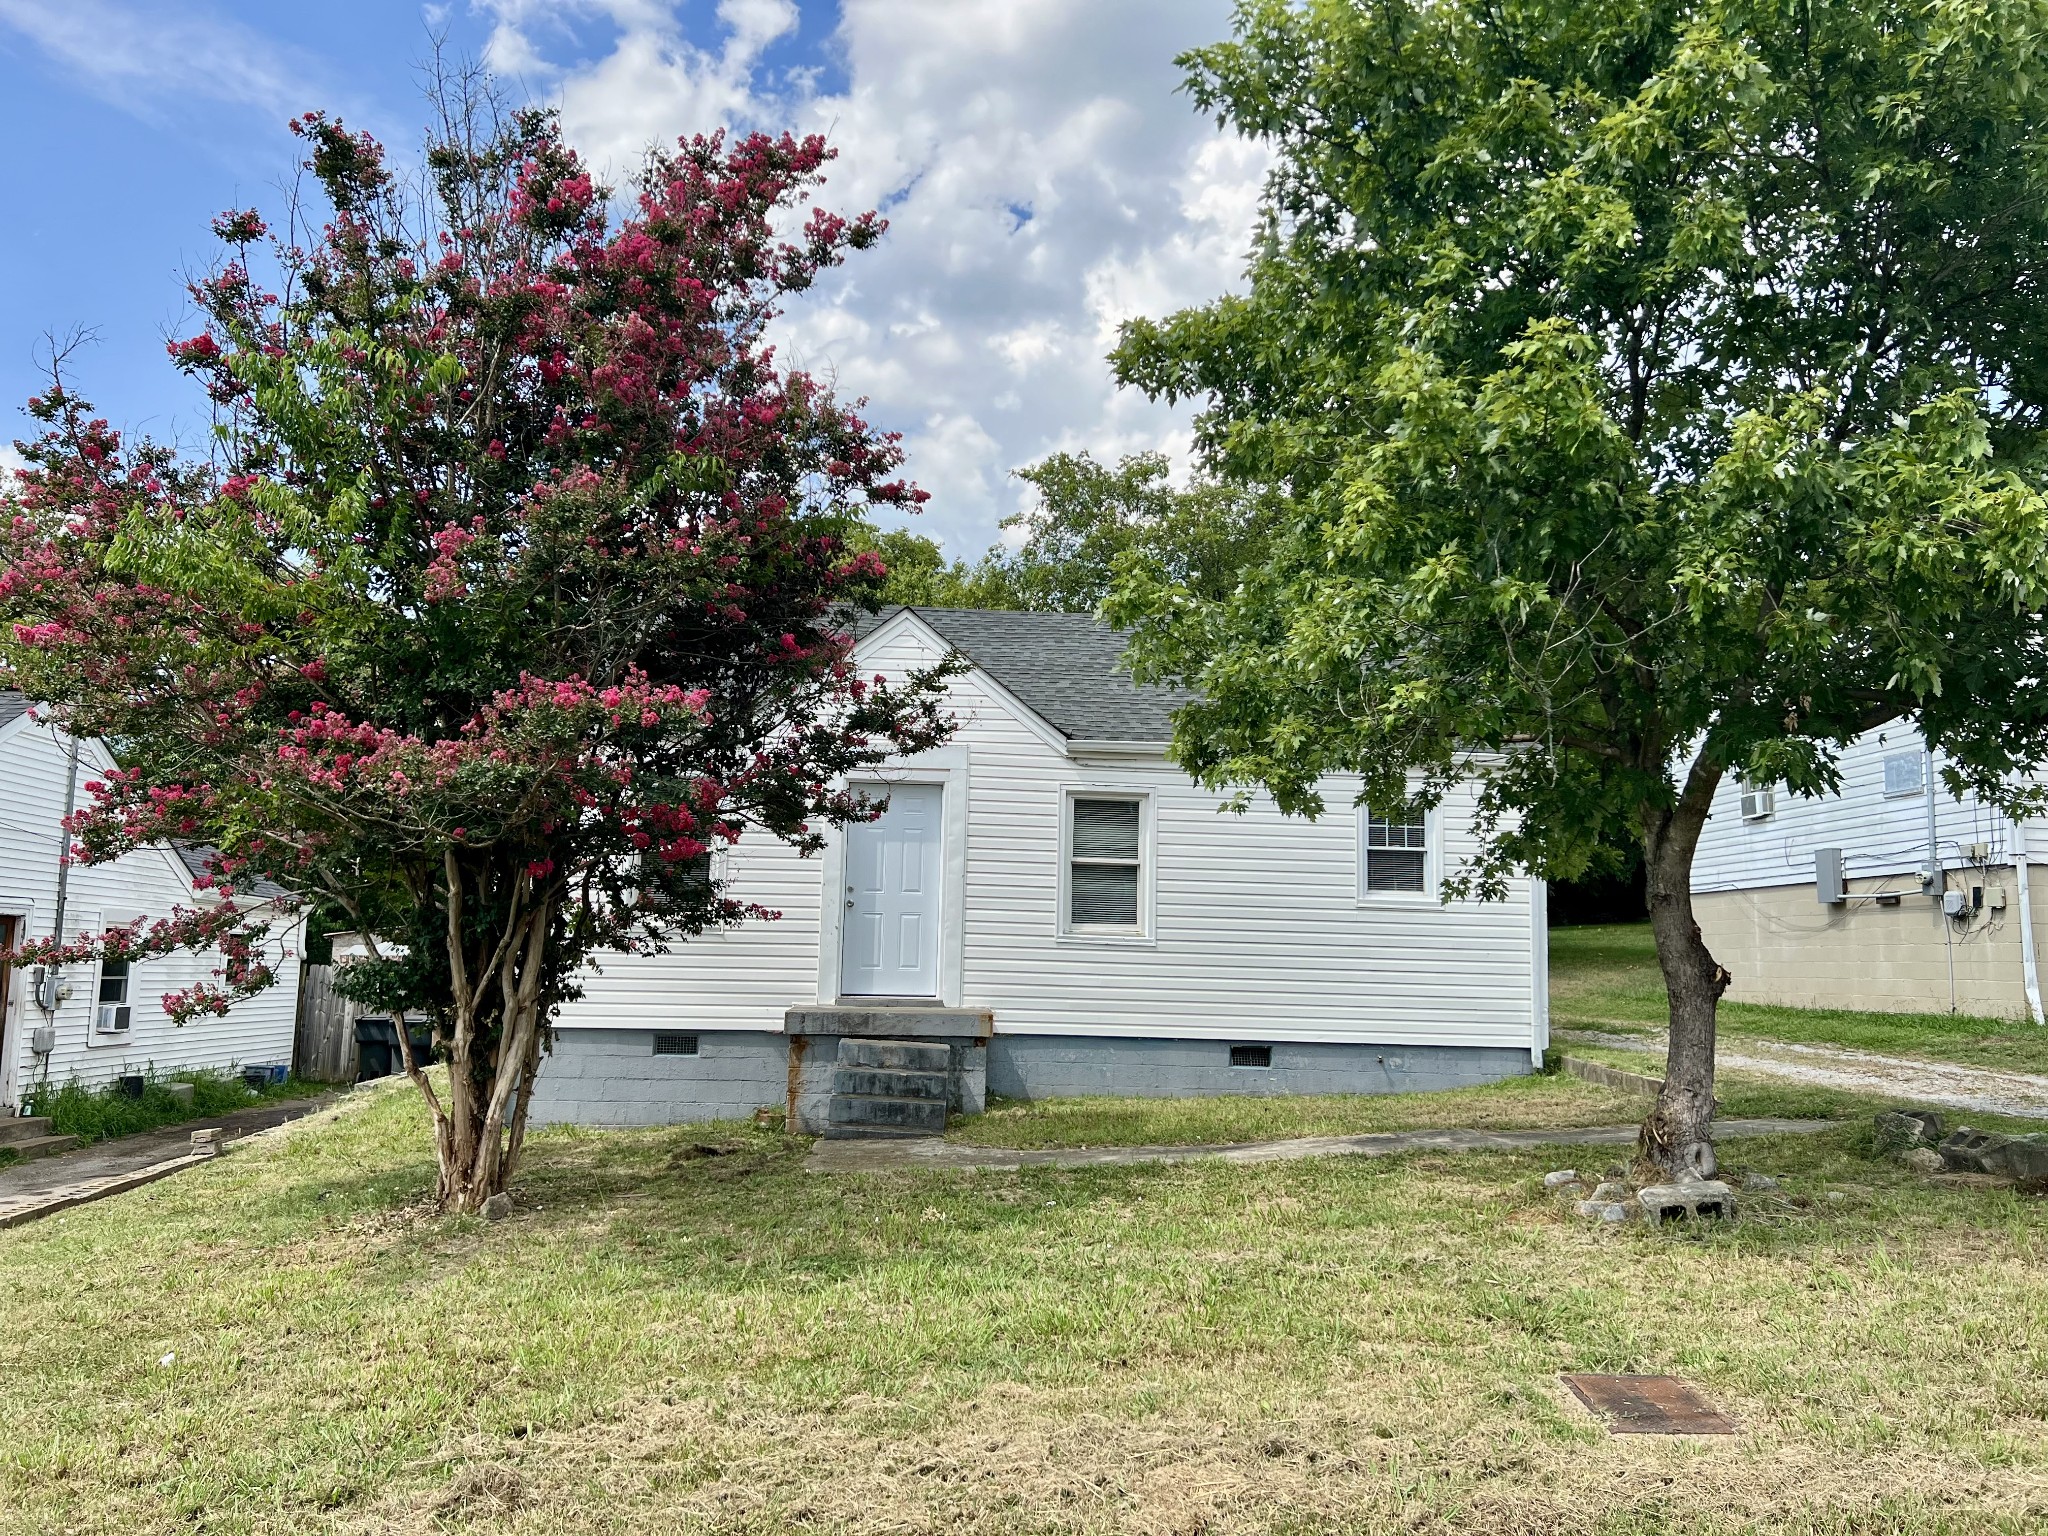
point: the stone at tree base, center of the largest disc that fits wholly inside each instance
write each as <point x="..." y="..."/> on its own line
<point x="497" y="1207"/>
<point x="1611" y="1190"/>
<point x="1616" y="1172"/>
<point x="1562" y="1178"/>
<point x="1689" y="1200"/>
<point x="1758" y="1181"/>
<point x="1923" y="1160"/>
<point x="1603" y="1210"/>
<point x="2013" y="1157"/>
<point x="1899" y="1129"/>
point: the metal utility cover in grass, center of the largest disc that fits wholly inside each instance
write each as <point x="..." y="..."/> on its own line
<point x="1649" y="1405"/>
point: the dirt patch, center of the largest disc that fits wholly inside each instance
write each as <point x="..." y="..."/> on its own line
<point x="1986" y="1090"/>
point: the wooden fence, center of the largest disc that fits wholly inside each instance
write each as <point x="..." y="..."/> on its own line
<point x="324" y="1045"/>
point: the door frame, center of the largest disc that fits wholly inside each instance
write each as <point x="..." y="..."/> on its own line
<point x="947" y="767"/>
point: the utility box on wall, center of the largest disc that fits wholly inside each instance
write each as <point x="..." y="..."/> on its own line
<point x="1827" y="877"/>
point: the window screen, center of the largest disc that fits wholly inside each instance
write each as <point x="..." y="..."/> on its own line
<point x="1102" y="889"/>
<point x="1396" y="854"/>
<point x="1902" y="774"/>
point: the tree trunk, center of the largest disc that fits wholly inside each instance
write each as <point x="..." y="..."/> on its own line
<point x="494" y="1041"/>
<point x="1678" y="1137"/>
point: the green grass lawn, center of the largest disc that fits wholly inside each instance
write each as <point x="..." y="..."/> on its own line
<point x="1606" y="977"/>
<point x="286" y="1339"/>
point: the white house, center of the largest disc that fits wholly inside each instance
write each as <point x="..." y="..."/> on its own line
<point x="101" y="1022"/>
<point x="1891" y="895"/>
<point x="1049" y="907"/>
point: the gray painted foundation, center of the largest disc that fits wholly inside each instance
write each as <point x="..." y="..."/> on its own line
<point x="613" y="1077"/>
<point x="1073" y="1066"/>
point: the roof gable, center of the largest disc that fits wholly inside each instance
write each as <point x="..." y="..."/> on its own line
<point x="1066" y="668"/>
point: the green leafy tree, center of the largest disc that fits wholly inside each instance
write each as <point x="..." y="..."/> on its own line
<point x="1658" y="388"/>
<point x="1089" y="517"/>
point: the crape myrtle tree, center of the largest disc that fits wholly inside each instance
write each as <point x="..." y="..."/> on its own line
<point x="515" y="586"/>
<point x="1658" y="389"/>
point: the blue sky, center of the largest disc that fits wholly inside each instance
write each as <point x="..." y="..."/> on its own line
<point x="1042" y="176"/>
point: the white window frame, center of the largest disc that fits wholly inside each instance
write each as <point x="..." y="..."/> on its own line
<point x="1756" y="802"/>
<point x="1919" y="785"/>
<point x="1145" y="933"/>
<point x="99" y="976"/>
<point x="1432" y="863"/>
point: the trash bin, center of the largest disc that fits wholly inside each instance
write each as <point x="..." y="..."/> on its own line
<point x="377" y="1052"/>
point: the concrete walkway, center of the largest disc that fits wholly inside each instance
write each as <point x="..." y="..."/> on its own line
<point x="29" y="1190"/>
<point x="864" y="1156"/>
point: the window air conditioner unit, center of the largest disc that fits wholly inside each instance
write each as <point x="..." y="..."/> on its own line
<point x="1759" y="801"/>
<point x="115" y="1020"/>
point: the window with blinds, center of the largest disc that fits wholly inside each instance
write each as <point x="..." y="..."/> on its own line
<point x="1397" y="854"/>
<point x="1105" y="863"/>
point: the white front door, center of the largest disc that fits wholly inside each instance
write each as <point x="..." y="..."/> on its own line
<point x="889" y="944"/>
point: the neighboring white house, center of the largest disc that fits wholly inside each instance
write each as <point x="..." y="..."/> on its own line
<point x="1891" y="895"/>
<point x="106" y="1020"/>
<point x="1067" y="913"/>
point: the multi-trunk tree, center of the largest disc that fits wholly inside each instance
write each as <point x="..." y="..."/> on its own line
<point x="515" y="585"/>
<point x="1658" y="389"/>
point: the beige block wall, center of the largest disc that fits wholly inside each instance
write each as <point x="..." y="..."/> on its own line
<point x="1784" y="947"/>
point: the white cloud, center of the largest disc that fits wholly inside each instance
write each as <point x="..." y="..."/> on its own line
<point x="1043" y="179"/>
<point x="143" y="58"/>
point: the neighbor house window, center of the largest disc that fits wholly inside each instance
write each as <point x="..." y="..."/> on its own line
<point x="1759" y="801"/>
<point x="1105" y="864"/>
<point x="1397" y="854"/>
<point x="114" y="1015"/>
<point x="1904" y="773"/>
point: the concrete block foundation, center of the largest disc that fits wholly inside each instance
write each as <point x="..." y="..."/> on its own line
<point x="1782" y="946"/>
<point x="1071" y="1066"/>
<point x="613" y="1077"/>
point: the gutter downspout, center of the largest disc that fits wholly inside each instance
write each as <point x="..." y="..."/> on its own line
<point x="2029" y="969"/>
<point x="1935" y="883"/>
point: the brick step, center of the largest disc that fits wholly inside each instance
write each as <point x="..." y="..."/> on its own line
<point x="18" y="1128"/>
<point x="38" y="1146"/>
<point x="894" y="1055"/>
<point x="890" y="1116"/>
<point x="885" y="1083"/>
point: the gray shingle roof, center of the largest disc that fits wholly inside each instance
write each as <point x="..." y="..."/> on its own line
<point x="12" y="706"/>
<point x="1063" y="666"/>
<point x="196" y="856"/>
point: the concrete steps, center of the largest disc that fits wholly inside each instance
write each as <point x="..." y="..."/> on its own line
<point x="28" y="1137"/>
<point x="888" y="1088"/>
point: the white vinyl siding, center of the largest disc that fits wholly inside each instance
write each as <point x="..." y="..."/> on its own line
<point x="1880" y="828"/>
<point x="1254" y="929"/>
<point x="149" y="883"/>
